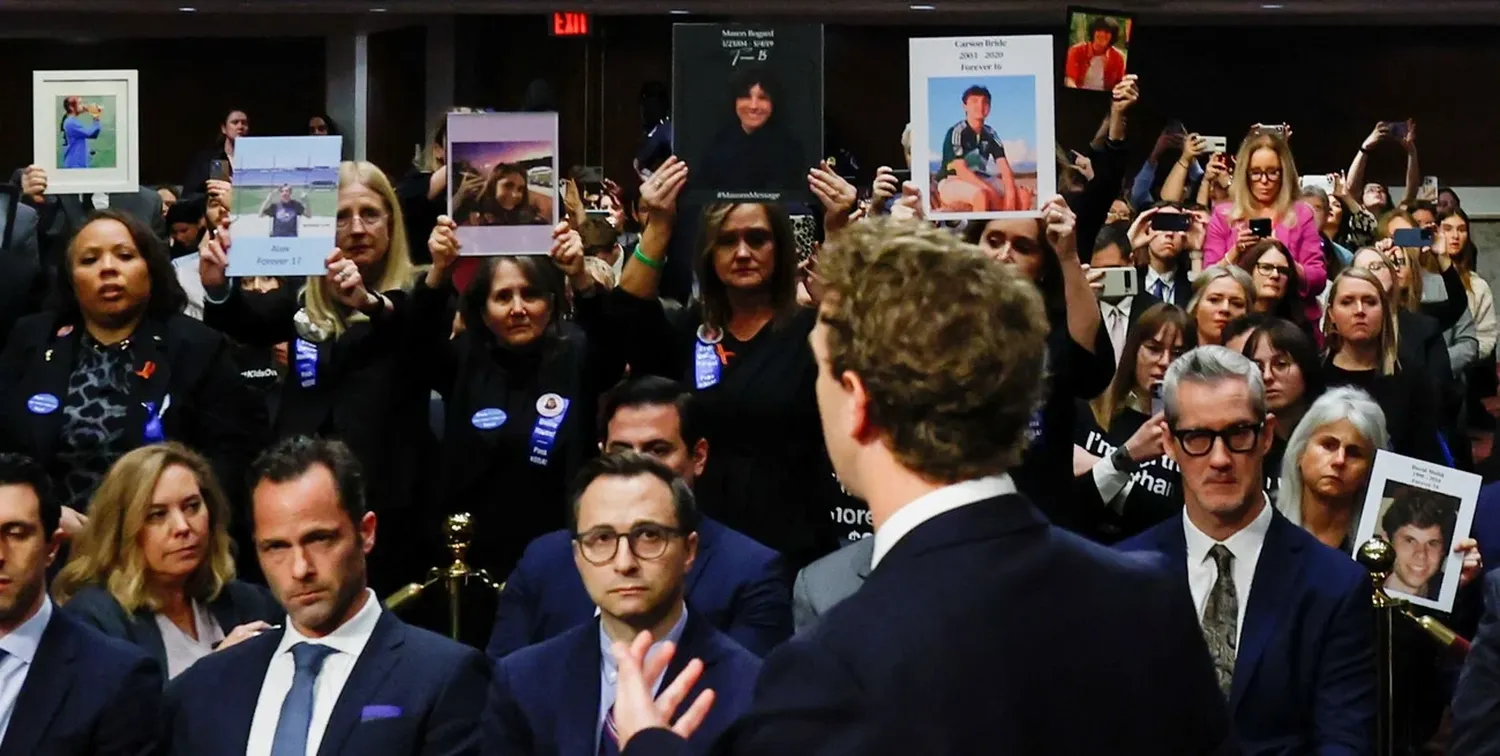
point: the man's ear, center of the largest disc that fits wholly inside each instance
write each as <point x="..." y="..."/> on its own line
<point x="860" y="425"/>
<point x="367" y="532"/>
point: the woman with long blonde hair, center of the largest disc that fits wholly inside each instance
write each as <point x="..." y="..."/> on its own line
<point x="1363" y="344"/>
<point x="1265" y="192"/>
<point x="153" y="566"/>
<point x="351" y="375"/>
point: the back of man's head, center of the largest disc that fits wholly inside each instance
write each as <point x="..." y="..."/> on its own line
<point x="949" y="345"/>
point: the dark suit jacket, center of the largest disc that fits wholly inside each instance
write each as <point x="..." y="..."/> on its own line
<point x="986" y="630"/>
<point x="1182" y="292"/>
<point x="1304" y="676"/>
<point x="211" y="410"/>
<point x="1476" y="702"/>
<point x="237" y="604"/>
<point x="22" y="284"/>
<point x="544" y="700"/>
<point x="85" y="695"/>
<point x="435" y="685"/>
<point x="736" y="584"/>
<point x="368" y="392"/>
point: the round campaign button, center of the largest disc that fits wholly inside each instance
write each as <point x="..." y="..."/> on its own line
<point x="710" y="335"/>
<point x="550" y="405"/>
<point x="42" y="404"/>
<point x="488" y="418"/>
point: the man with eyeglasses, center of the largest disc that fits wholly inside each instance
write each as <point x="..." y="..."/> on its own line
<point x="1287" y="619"/>
<point x="635" y="538"/>
<point x="736" y="584"/>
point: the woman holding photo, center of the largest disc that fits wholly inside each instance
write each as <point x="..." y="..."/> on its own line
<point x="78" y="130"/>
<point x="742" y="345"/>
<point x="351" y="375"/>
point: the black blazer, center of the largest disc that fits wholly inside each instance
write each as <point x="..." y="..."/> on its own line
<point x="86" y="694"/>
<point x="411" y="692"/>
<point x="237" y="604"/>
<point x="493" y="402"/>
<point x="987" y="630"/>
<point x="368" y="391"/>
<point x="1182" y="292"/>
<point x="211" y="410"/>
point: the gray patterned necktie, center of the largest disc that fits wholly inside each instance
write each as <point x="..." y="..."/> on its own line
<point x="1221" y="617"/>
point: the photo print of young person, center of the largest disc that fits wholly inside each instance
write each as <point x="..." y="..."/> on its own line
<point x="1098" y="49"/>
<point x="982" y="120"/>
<point x="1422" y="510"/>
<point x="502" y="181"/>
<point x="747" y="110"/>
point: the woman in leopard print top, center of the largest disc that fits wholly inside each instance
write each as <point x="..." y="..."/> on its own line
<point x="116" y="365"/>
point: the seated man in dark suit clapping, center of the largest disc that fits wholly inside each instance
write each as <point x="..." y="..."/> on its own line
<point x="1287" y="619"/>
<point x="636" y="540"/>
<point x="65" y="688"/>
<point x="736" y="585"/>
<point x="344" y="677"/>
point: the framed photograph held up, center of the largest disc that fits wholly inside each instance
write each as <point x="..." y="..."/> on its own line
<point x="1422" y="509"/>
<point x="85" y="130"/>
<point x="502" y="182"/>
<point x="748" y="113"/>
<point x="983" y="141"/>
<point x="1098" y="48"/>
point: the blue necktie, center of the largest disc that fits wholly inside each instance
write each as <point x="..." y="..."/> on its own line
<point x="1157" y="289"/>
<point x="297" y="708"/>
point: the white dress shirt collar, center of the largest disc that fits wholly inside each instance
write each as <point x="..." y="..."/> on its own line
<point x="1168" y="282"/>
<point x="1246" y="541"/>
<point x="349" y="638"/>
<point x="924" y="508"/>
<point x="23" y="641"/>
<point x="1245" y="545"/>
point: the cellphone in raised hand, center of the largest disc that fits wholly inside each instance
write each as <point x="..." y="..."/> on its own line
<point x="1412" y="237"/>
<point x="1171" y="222"/>
<point x="219" y="170"/>
<point x="1397" y="129"/>
<point x="1260" y="227"/>
<point x="1119" y="282"/>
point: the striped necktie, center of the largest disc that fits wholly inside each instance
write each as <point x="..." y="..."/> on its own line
<point x="609" y="737"/>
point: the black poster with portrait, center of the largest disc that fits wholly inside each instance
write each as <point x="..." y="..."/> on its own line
<point x="747" y="103"/>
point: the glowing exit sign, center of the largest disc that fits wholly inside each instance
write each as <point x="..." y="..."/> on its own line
<point x="571" y="24"/>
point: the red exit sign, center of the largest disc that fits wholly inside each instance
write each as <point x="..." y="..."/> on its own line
<point x="570" y="24"/>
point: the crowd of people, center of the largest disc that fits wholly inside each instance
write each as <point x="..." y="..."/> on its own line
<point x="1138" y="505"/>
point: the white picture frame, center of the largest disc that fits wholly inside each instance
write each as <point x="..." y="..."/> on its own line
<point x="1016" y="74"/>
<point x="1433" y="496"/>
<point x="115" y="145"/>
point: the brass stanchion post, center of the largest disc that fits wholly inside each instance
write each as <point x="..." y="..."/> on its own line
<point x="1378" y="557"/>
<point x="458" y="530"/>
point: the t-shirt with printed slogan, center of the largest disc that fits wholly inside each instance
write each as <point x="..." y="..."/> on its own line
<point x="976" y="148"/>
<point x="284" y="218"/>
<point x="1154" y="496"/>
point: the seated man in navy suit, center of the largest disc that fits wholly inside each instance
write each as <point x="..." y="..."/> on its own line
<point x="636" y="540"/>
<point x="1287" y="619"/>
<point x="65" y="688"/>
<point x="736" y="584"/>
<point x="342" y="676"/>
<point x="982" y="629"/>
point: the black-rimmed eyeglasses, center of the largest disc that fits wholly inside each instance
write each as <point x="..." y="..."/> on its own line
<point x="647" y="541"/>
<point x="1237" y="438"/>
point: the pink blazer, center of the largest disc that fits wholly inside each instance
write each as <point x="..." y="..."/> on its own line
<point x="1301" y="240"/>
